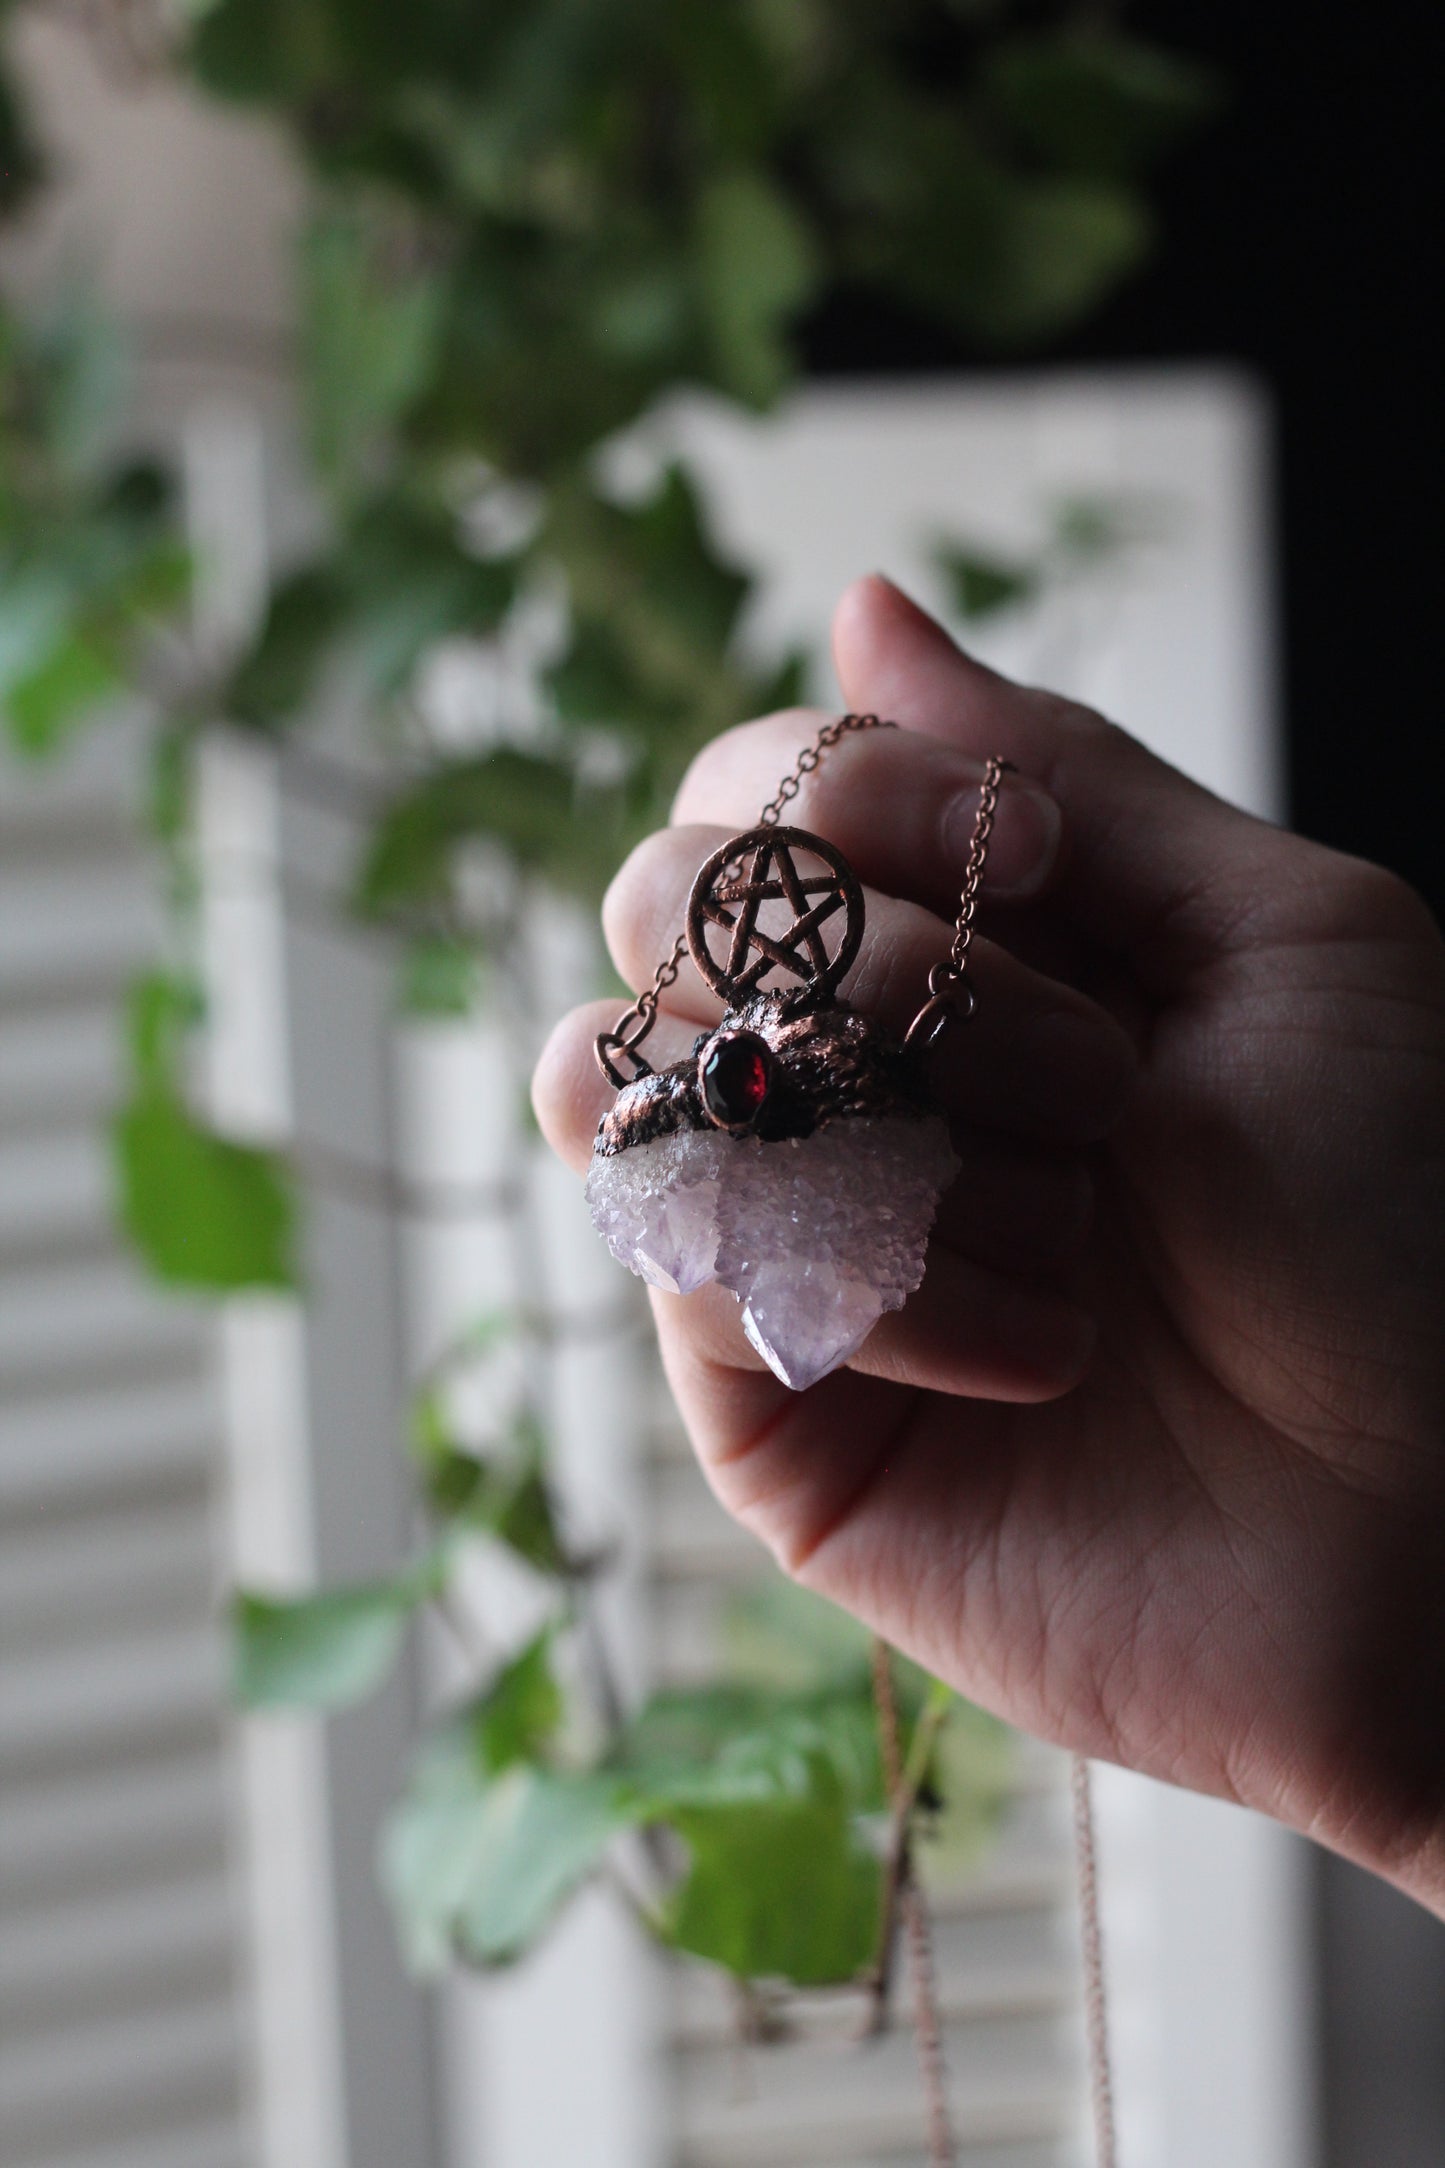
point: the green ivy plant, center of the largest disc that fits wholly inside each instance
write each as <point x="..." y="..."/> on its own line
<point x="528" y="223"/>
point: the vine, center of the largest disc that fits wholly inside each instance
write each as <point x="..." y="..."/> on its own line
<point x="527" y="226"/>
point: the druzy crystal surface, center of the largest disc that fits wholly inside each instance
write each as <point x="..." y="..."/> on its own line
<point x="816" y="1236"/>
<point x="656" y="1206"/>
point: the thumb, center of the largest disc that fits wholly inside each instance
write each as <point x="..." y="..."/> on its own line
<point x="1157" y="867"/>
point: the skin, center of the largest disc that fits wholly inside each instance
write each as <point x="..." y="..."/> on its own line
<point x="1153" y="1465"/>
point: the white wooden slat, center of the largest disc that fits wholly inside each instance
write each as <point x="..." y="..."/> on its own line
<point x="59" y="1322"/>
<point x="837" y="2106"/>
<point x="61" y="1068"/>
<point x="108" y="1692"/>
<point x="61" y="1180"/>
<point x="147" y="1426"/>
<point x="130" y="1947"/>
<point x="217" y="2142"/>
<point x="120" y="2043"/>
<point x="58" y="927"/>
<point x="131" y="1827"/>
<point x="144" y="1561"/>
<point x="121" y="2075"/>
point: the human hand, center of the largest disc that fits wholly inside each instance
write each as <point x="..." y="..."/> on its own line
<point x="1153" y="1464"/>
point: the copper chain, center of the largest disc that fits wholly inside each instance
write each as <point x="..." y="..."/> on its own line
<point x="945" y="981"/>
<point x="927" y="2018"/>
<point x="949" y="991"/>
<point x="1096" y="2025"/>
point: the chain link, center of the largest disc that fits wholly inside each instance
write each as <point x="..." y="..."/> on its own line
<point x="842" y="726"/>
<point x="945" y="982"/>
<point x="993" y="776"/>
<point x="949" y="991"/>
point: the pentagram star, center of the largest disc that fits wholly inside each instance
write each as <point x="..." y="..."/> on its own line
<point x="756" y="888"/>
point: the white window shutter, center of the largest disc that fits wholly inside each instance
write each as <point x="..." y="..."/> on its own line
<point x="121" y="2042"/>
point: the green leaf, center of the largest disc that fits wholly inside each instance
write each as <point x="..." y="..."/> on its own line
<point x="372" y="313"/>
<point x="981" y="583"/>
<point x="481" y="1865"/>
<point x="759" y="267"/>
<point x="22" y="167"/>
<point x="785" y="1890"/>
<point x="412" y="584"/>
<point x="597" y="683"/>
<point x="450" y="1477"/>
<point x="432" y="1842"/>
<point x="255" y="49"/>
<point x="1068" y="244"/>
<point x="171" y="781"/>
<point x="50" y="701"/>
<point x="1090" y="530"/>
<point x="542" y="1834"/>
<point x="780" y="1636"/>
<point x="507" y="1496"/>
<point x="1007" y="255"/>
<point x="75" y="604"/>
<point x="204" y="1212"/>
<point x="523" y="801"/>
<point x="522" y="1708"/>
<point x="283" y="667"/>
<point x="160" y="1009"/>
<point x="514" y="1503"/>
<point x="441" y="977"/>
<point x="1096" y="103"/>
<point x="317" y="1652"/>
<point x="766" y="1794"/>
<point x="516" y="1506"/>
<point x="970" y="1783"/>
<point x="686" y="580"/>
<point x="82" y="379"/>
<point x="730" y="1746"/>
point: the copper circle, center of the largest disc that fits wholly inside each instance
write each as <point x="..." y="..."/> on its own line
<point x="734" y="981"/>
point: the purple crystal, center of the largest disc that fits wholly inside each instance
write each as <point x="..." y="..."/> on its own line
<point x="816" y="1236"/>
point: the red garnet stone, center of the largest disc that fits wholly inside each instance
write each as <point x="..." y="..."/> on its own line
<point x="733" y="1074"/>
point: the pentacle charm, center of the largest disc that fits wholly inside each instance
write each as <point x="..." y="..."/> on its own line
<point x="794" y="1155"/>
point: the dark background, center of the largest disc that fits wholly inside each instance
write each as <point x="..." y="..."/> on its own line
<point x="1300" y="237"/>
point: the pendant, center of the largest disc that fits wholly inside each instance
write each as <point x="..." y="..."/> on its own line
<point x="794" y="1156"/>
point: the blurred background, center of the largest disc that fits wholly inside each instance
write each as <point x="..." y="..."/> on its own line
<point x="415" y="436"/>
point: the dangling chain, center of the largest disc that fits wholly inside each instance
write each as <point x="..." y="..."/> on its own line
<point x="947" y="982"/>
<point x="1096" y="2013"/>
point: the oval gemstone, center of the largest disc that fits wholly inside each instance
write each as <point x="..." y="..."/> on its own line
<point x="734" y="1073"/>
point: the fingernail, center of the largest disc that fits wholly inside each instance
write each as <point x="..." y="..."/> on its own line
<point x="1025" y="840"/>
<point x="1075" y="1073"/>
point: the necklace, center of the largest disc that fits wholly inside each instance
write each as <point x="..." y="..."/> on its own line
<point x="795" y="1154"/>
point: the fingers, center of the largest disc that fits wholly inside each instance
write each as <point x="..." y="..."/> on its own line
<point x="968" y="1331"/>
<point x="1037" y="1058"/>
<point x="799" y="1469"/>
<point x="1157" y="866"/>
<point x="1015" y="1207"/>
<point x="899" y="805"/>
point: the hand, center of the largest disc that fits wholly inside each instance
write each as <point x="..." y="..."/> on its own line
<point x="1153" y="1465"/>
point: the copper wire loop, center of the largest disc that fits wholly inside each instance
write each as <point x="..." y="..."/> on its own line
<point x="949" y="993"/>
